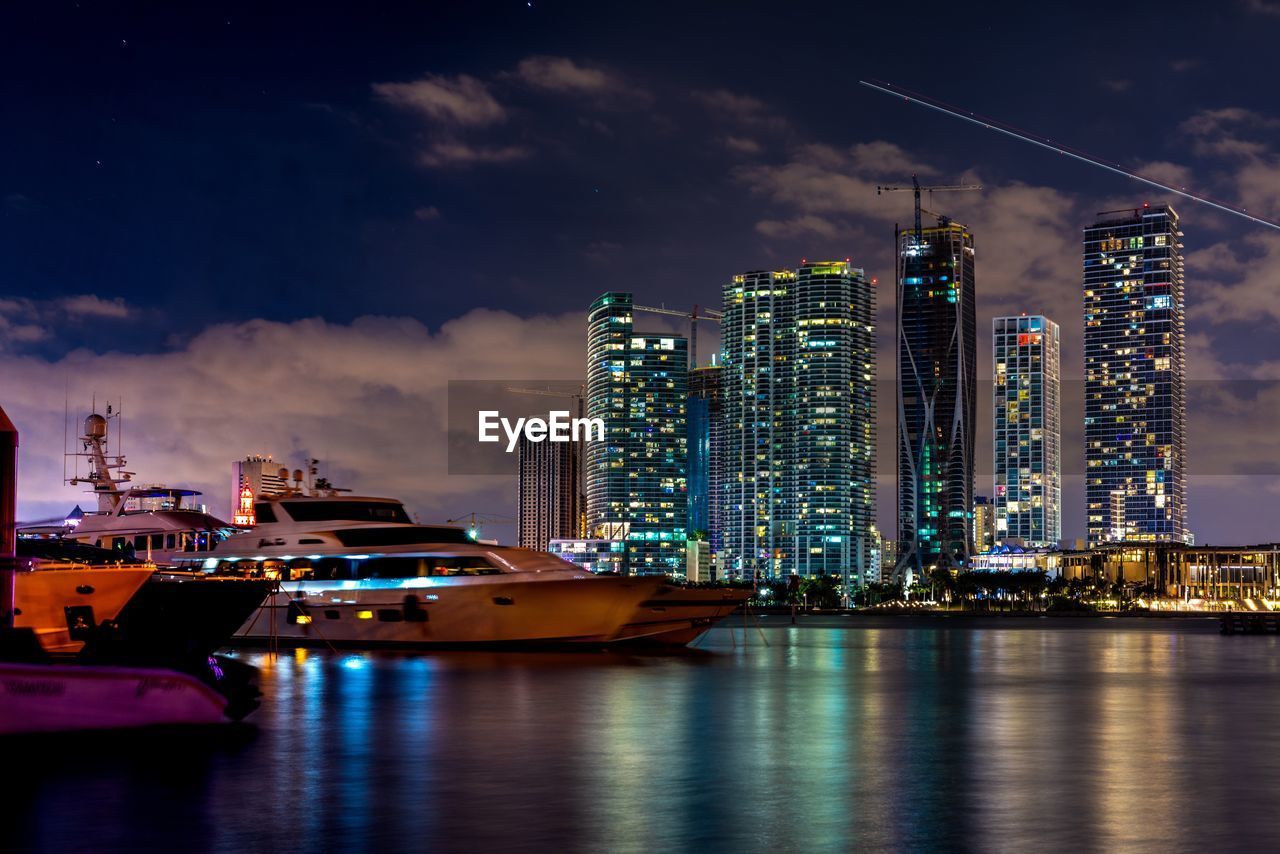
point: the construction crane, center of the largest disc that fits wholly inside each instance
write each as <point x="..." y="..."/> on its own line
<point x="474" y="520"/>
<point x="580" y="396"/>
<point x="693" y="316"/>
<point x="916" y="189"/>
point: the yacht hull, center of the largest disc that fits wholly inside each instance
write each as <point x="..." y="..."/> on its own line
<point x="179" y="619"/>
<point x="68" y="698"/>
<point x="50" y="601"/>
<point x="475" y="612"/>
<point x="677" y="616"/>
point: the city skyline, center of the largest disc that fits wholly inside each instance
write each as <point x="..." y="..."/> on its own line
<point x="355" y="260"/>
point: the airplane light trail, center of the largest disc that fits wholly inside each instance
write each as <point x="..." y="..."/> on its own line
<point x="1007" y="130"/>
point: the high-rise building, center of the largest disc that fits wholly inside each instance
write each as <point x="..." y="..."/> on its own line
<point x="637" y="488"/>
<point x="755" y="330"/>
<point x="798" y="383"/>
<point x="1134" y="359"/>
<point x="549" y="501"/>
<point x="706" y="459"/>
<point x="984" y="524"/>
<point x="263" y="475"/>
<point x="1027" y="430"/>
<point x="937" y="396"/>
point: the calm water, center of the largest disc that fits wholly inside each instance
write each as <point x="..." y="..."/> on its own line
<point x="845" y="733"/>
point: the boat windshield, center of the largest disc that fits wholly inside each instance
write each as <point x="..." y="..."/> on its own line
<point x="346" y="511"/>
<point x="527" y="560"/>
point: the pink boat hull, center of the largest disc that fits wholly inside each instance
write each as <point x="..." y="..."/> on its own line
<point x="67" y="698"/>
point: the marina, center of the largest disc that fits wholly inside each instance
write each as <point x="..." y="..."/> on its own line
<point x="101" y="639"/>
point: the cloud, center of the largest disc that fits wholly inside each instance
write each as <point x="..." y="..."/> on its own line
<point x="561" y="74"/>
<point x="602" y="251"/>
<point x="822" y="179"/>
<point x="1118" y="85"/>
<point x="1243" y="141"/>
<point x="89" y="305"/>
<point x="746" y="110"/>
<point x="458" y="107"/>
<point x="368" y="398"/>
<point x="1262" y="7"/>
<point x="462" y="101"/>
<point x="28" y="321"/>
<point x="807" y="224"/>
<point x="1236" y="280"/>
<point x="429" y="213"/>
<point x="1173" y="174"/>
<point x="16" y="203"/>
<point x="1184" y="65"/>
<point x="447" y="153"/>
<point x="742" y="145"/>
<point x="461" y="108"/>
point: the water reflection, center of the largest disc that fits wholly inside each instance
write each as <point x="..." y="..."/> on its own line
<point x="900" y="734"/>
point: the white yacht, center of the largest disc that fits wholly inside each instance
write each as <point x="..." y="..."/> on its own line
<point x="152" y="523"/>
<point x="356" y="571"/>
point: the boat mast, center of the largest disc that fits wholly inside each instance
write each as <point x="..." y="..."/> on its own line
<point x="106" y="473"/>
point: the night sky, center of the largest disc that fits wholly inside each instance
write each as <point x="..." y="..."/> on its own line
<point x="284" y="229"/>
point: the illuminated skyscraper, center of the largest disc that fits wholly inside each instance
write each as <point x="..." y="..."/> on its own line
<point x="1134" y="360"/>
<point x="798" y="382"/>
<point x="548" y="493"/>
<point x="706" y="458"/>
<point x="937" y="396"/>
<point x="636" y="479"/>
<point x="1027" y="430"/>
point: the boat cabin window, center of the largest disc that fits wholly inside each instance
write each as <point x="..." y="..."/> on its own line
<point x="363" y="538"/>
<point x="346" y="511"/>
<point x="170" y="542"/>
<point x="263" y="512"/>
<point x="422" y="567"/>
<point x="157" y="541"/>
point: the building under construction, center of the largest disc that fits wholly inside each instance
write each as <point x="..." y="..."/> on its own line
<point x="937" y="396"/>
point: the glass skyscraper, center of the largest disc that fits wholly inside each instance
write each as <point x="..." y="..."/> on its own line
<point x="1134" y="359"/>
<point x="706" y="458"/>
<point x="798" y="386"/>
<point x="1027" y="430"/>
<point x="637" y="488"/>
<point x="937" y="396"/>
